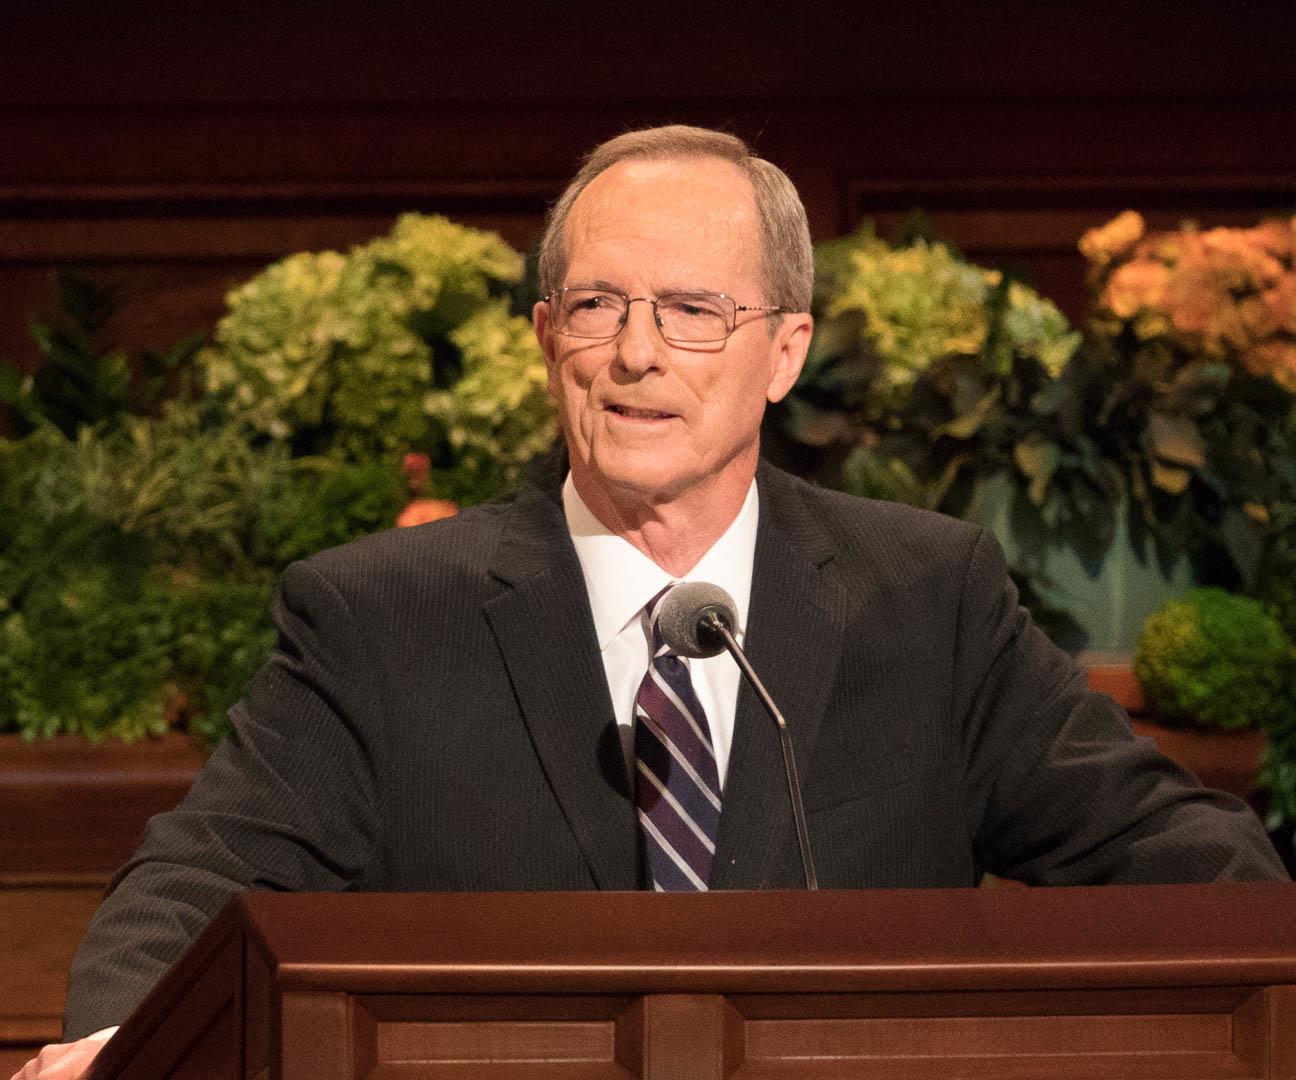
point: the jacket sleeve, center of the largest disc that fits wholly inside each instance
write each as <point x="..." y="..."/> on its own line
<point x="1059" y="788"/>
<point x="288" y="802"/>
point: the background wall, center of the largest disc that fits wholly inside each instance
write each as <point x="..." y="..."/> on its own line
<point x="177" y="148"/>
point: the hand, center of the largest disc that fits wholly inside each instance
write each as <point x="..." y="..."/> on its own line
<point x="63" y="1061"/>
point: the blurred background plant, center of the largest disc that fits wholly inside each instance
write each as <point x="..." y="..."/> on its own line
<point x="404" y="344"/>
<point x="1117" y="468"/>
<point x="931" y="380"/>
<point x="1215" y="660"/>
<point x="1192" y="381"/>
<point x="148" y="503"/>
<point x="924" y="372"/>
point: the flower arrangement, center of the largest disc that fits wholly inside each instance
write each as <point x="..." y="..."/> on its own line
<point x="1192" y="380"/>
<point x="926" y="374"/>
<point x="404" y="344"/>
<point x="139" y="539"/>
<point x="1226" y="295"/>
<point x="920" y="304"/>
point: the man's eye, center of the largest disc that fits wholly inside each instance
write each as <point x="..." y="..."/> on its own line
<point x="597" y="302"/>
<point x="693" y="306"/>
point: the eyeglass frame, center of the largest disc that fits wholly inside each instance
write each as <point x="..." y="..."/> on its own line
<point x="552" y="297"/>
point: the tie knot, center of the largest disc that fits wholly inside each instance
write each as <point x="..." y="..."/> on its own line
<point x="652" y="610"/>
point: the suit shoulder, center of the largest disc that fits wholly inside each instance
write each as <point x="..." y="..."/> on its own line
<point x="456" y="547"/>
<point x="875" y="530"/>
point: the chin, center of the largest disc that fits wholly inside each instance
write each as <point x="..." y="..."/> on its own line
<point x="642" y="476"/>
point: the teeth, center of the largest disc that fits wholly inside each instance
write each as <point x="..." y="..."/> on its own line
<point x="640" y="414"/>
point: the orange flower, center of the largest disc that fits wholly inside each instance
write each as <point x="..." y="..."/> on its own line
<point x="1223" y="293"/>
<point x="1281" y="302"/>
<point x="1110" y="241"/>
<point x="416" y="468"/>
<point x="1276" y="359"/>
<point x="1134" y="286"/>
<point x="1193" y="298"/>
<point x="1277" y="236"/>
<point x="421" y="511"/>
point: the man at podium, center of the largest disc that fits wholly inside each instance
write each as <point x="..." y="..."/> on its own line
<point x="489" y="702"/>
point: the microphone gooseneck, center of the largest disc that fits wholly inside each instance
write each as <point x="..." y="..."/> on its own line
<point x="696" y="619"/>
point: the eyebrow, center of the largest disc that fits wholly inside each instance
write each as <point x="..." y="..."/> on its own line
<point x="607" y="286"/>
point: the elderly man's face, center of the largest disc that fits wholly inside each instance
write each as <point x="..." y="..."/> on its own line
<point x="646" y="420"/>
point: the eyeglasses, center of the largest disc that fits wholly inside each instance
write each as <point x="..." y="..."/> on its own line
<point x="684" y="318"/>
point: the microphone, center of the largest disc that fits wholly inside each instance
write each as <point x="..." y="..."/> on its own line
<point x="696" y="619"/>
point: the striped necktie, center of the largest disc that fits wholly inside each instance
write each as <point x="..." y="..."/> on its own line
<point x="677" y="787"/>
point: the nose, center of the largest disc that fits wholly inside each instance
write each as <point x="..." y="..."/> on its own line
<point x="639" y="343"/>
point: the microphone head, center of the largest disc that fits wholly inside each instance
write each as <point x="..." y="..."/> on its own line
<point x="681" y="614"/>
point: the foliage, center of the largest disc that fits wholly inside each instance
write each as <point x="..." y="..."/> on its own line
<point x="136" y="566"/>
<point x="1192" y="380"/>
<point x="928" y="375"/>
<point x="139" y="541"/>
<point x="927" y="371"/>
<point x="1276" y="578"/>
<point x="362" y="356"/>
<point x="1278" y="769"/>
<point x="1216" y="660"/>
<point x="82" y="381"/>
<point x="497" y="415"/>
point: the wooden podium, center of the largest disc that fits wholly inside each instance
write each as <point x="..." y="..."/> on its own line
<point x="1184" y="982"/>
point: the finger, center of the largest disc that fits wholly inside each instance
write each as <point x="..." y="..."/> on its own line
<point x="61" y="1061"/>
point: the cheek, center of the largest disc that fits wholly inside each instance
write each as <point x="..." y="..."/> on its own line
<point x="570" y="385"/>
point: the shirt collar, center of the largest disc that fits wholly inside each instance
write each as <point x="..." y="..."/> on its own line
<point x="621" y="579"/>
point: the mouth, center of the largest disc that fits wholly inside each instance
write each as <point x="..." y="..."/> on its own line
<point x="631" y="413"/>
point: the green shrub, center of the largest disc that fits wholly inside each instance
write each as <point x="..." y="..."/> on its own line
<point x="404" y="344"/>
<point x="1215" y="660"/>
<point x="136" y="567"/>
<point x="82" y="380"/>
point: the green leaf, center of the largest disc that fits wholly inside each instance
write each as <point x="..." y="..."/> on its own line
<point x="1170" y="478"/>
<point x="1038" y="460"/>
<point x="967" y="425"/>
<point x="1244" y="541"/>
<point x="1176" y="439"/>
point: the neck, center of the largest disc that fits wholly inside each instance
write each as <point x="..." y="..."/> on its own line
<point x="675" y="532"/>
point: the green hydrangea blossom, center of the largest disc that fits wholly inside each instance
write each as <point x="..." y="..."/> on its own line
<point x="921" y="303"/>
<point x="497" y="415"/>
<point x="351" y="355"/>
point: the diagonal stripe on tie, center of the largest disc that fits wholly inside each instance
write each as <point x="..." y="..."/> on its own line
<point x="677" y="788"/>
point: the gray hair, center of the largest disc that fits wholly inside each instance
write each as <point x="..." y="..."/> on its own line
<point x="787" y="261"/>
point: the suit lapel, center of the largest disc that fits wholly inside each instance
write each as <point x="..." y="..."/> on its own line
<point x="794" y="641"/>
<point x="545" y="632"/>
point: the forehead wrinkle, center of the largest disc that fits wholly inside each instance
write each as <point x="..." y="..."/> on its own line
<point x="679" y="221"/>
<point x="603" y="285"/>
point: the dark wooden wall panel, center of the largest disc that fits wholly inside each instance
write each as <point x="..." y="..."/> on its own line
<point x="178" y="148"/>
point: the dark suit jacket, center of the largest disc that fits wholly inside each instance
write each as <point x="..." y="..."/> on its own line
<point x="435" y="716"/>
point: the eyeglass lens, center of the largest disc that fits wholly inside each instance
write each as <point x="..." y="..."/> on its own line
<point x="695" y="317"/>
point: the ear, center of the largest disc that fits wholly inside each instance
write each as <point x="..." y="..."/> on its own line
<point x="790" y="345"/>
<point x="540" y="322"/>
<point x="540" y="314"/>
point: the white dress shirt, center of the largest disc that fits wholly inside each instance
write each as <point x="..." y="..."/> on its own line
<point x="621" y="580"/>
